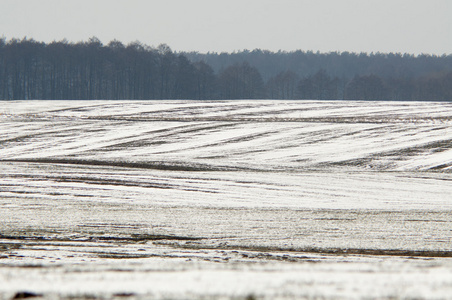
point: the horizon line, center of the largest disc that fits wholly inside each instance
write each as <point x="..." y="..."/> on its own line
<point x="235" y="51"/>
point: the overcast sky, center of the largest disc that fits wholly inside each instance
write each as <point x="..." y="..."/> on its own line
<point x="412" y="26"/>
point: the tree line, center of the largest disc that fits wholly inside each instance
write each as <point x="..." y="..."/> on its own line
<point x="91" y="70"/>
<point x="314" y="75"/>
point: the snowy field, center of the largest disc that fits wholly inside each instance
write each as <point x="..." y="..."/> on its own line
<point x="226" y="199"/>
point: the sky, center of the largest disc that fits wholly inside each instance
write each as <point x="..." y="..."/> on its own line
<point x="405" y="26"/>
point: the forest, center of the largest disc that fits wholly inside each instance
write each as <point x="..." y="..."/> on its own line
<point x="91" y="70"/>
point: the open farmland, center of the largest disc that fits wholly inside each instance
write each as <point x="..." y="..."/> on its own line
<point x="226" y="199"/>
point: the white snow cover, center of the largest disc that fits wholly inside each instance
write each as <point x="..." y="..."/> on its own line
<point x="226" y="199"/>
<point x="258" y="135"/>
